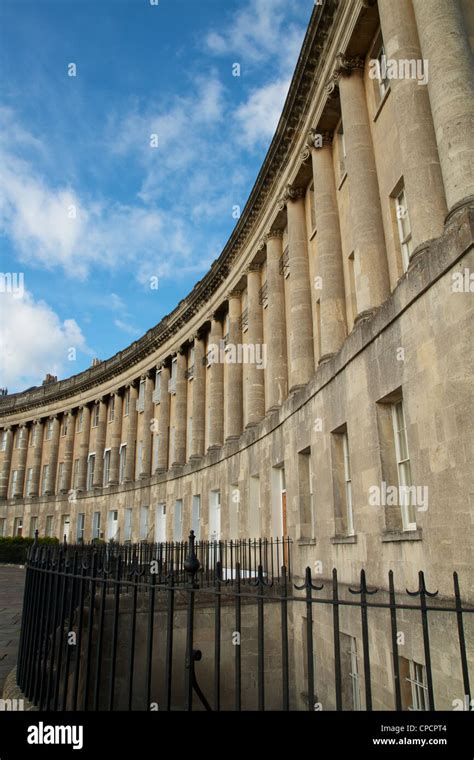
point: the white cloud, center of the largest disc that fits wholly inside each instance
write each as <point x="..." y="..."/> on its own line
<point x="126" y="327"/>
<point x="257" y="118"/>
<point x="261" y="30"/>
<point x="34" y="341"/>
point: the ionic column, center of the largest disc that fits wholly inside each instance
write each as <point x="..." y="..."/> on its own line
<point x="328" y="240"/>
<point x="445" y="46"/>
<point x="21" y="464"/>
<point x="418" y="150"/>
<point x="234" y="395"/>
<point x="300" y="328"/>
<point x="255" y="377"/>
<point x="38" y="436"/>
<point x="164" y="419"/>
<point x="277" y="361"/>
<point x="100" y="444"/>
<point x="147" y="434"/>
<point x="370" y="259"/>
<point x="66" y="484"/>
<point x="6" y="464"/>
<point x="115" y="440"/>
<point x="199" y="399"/>
<point x="84" y="447"/>
<point x="129" y="474"/>
<point x="53" y="456"/>
<point x="180" y="410"/>
<point x="216" y="387"/>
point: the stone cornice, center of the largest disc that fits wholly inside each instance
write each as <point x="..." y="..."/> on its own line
<point x="294" y="111"/>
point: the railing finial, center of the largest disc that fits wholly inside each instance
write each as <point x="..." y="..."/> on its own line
<point x="191" y="563"/>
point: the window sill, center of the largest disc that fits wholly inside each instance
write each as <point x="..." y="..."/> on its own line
<point x="344" y="539"/>
<point x="402" y="535"/>
<point x="381" y="104"/>
<point x="306" y="542"/>
<point x="342" y="180"/>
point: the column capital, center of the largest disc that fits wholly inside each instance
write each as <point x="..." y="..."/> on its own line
<point x="131" y="384"/>
<point x="115" y="393"/>
<point x="197" y="336"/>
<point x="274" y="232"/>
<point x="145" y="375"/>
<point x="290" y="193"/>
<point x="234" y="293"/>
<point x="316" y="139"/>
<point x="344" y="66"/>
<point x="255" y="266"/>
<point x="37" y="422"/>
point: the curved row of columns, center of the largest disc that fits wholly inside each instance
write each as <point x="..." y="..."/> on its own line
<point x="436" y="162"/>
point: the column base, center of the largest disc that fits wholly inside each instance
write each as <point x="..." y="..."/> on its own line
<point x="325" y="358"/>
<point x="295" y="388"/>
<point x="214" y="447"/>
<point x="231" y="438"/>
<point x="464" y="203"/>
<point x="420" y="249"/>
<point x="364" y="316"/>
<point x="195" y="457"/>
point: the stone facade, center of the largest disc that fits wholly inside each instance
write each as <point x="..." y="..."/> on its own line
<point x="327" y="352"/>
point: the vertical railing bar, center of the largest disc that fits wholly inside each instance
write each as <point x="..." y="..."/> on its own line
<point x="284" y="640"/>
<point x="462" y="641"/>
<point x="337" y="641"/>
<point x="394" y="632"/>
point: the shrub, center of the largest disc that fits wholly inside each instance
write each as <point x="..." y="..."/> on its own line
<point x="14" y="549"/>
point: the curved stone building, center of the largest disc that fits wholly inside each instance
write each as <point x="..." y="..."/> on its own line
<point x="323" y="360"/>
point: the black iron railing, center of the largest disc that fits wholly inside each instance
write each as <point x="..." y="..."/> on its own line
<point x="105" y="629"/>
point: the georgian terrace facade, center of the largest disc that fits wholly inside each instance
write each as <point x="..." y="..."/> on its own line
<point x="324" y="353"/>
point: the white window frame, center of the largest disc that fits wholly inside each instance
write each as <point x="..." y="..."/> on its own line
<point x="383" y="84"/>
<point x="122" y="461"/>
<point x="403" y="468"/>
<point x="95" y="415"/>
<point x="178" y="520"/>
<point x="49" y="430"/>
<point x="196" y="515"/>
<point x="3" y="444"/>
<point x="33" y="525"/>
<point x="106" y="470"/>
<point x="81" y="526"/>
<point x="111" y="415"/>
<point x="75" y="473"/>
<point x="29" y="478"/>
<point x="49" y="526"/>
<point x="419" y="687"/>
<point x="90" y="471"/>
<point x="14" y="482"/>
<point x="348" y="485"/>
<point x="96" y="516"/>
<point x="44" y="478"/>
<point x="404" y="230"/>
<point x="128" y="524"/>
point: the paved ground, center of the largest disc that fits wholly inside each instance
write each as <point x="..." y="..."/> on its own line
<point x="12" y="580"/>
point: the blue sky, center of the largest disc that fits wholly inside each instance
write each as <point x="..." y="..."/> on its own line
<point x="90" y="208"/>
